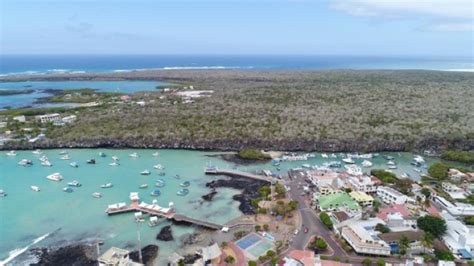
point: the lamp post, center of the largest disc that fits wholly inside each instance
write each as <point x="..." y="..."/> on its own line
<point x="140" y="258"/>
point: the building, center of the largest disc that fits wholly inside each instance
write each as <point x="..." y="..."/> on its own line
<point x="211" y="252"/>
<point x="459" y="237"/>
<point x="322" y="178"/>
<point x="454" y="191"/>
<point x="454" y="209"/>
<point x="393" y="238"/>
<point x="69" y="119"/>
<point x="362" y="183"/>
<point x="339" y="216"/>
<point x="362" y="198"/>
<point x="391" y="196"/>
<point x="48" y="118"/>
<point x="364" y="242"/>
<point x="20" y="118"/>
<point x="456" y="175"/>
<point x="340" y="201"/>
<point x="116" y="257"/>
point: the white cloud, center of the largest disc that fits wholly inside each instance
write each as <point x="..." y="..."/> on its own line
<point x="451" y="27"/>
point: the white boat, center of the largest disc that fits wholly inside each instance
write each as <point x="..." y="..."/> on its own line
<point x="35" y="188"/>
<point x="348" y="160"/>
<point x="2" y="193"/>
<point x="74" y="164"/>
<point x="43" y="158"/>
<point x="333" y="155"/>
<point x="63" y="152"/>
<point x="419" y="159"/>
<point x="65" y="157"/>
<point x="142" y="186"/>
<point x="153" y="221"/>
<point x="306" y="165"/>
<point x="115" y="158"/>
<point x="55" y="177"/>
<point x="108" y="185"/>
<point x="114" y="164"/>
<point x="324" y="155"/>
<point x="74" y="183"/>
<point x="37" y="152"/>
<point x="405" y="175"/>
<point x="134" y="155"/>
<point x="367" y="163"/>
<point x="158" y="166"/>
<point x="25" y="162"/>
<point x="366" y="156"/>
<point x="418" y="170"/>
<point x="391" y="163"/>
<point x="155" y="154"/>
<point x="145" y="172"/>
<point x="11" y="153"/>
<point x="101" y="154"/>
<point x="97" y="195"/>
<point x="392" y="167"/>
<point x="46" y="163"/>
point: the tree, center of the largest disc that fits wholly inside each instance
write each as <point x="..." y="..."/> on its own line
<point x="224" y="244"/>
<point x="271" y="253"/>
<point x="266" y="227"/>
<point x="293" y="205"/>
<point x="426" y="192"/>
<point x="181" y="262"/>
<point x="252" y="263"/>
<point x="280" y="190"/>
<point x="367" y="261"/>
<point x="427" y="241"/>
<point x="321" y="244"/>
<point x="404" y="244"/>
<point x="326" y="220"/>
<point x="444" y="255"/>
<point x="264" y="191"/>
<point x="229" y="259"/>
<point x="258" y="228"/>
<point x="380" y="262"/>
<point x="438" y="170"/>
<point x="382" y="228"/>
<point x="433" y="225"/>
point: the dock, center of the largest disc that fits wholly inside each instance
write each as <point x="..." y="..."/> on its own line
<point x="217" y="171"/>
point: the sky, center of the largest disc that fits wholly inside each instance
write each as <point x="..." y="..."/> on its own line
<point x="312" y="27"/>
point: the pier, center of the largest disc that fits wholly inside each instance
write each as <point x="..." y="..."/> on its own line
<point x="217" y="171"/>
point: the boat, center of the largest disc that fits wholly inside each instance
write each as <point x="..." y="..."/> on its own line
<point x="334" y="164"/>
<point x="388" y="157"/>
<point x="74" y="183"/>
<point x="367" y="163"/>
<point x="114" y="164"/>
<point x="101" y="154"/>
<point x="55" y="177"/>
<point x="158" y="166"/>
<point x="366" y="156"/>
<point x="161" y="173"/>
<point x="2" y="193"/>
<point x="68" y="189"/>
<point x="160" y="183"/>
<point x="43" y="158"/>
<point x="11" y="153"/>
<point x="134" y="155"/>
<point x="74" y="164"/>
<point x="62" y="152"/>
<point x="153" y="221"/>
<point x="392" y="167"/>
<point x="90" y="161"/>
<point x="275" y="162"/>
<point x="418" y="170"/>
<point x="391" y="163"/>
<point x="145" y="172"/>
<point x="182" y="192"/>
<point x="348" y="160"/>
<point x="333" y="155"/>
<point x="155" y="154"/>
<point x="46" y="163"/>
<point x="65" y="157"/>
<point x="155" y="193"/>
<point x="306" y="165"/>
<point x="97" y="195"/>
<point x="177" y="177"/>
<point x="185" y="184"/>
<point x="143" y="186"/>
<point x="108" y="185"/>
<point x="324" y="155"/>
<point x="25" y="162"/>
<point x="35" y="188"/>
<point x="37" y="152"/>
<point x="115" y="158"/>
<point x="405" y="175"/>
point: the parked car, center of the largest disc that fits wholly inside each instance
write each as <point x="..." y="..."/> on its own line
<point x="296" y="231"/>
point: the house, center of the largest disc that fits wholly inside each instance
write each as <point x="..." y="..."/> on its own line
<point x="455" y="174"/>
<point x="116" y="257"/>
<point x="363" y="242"/>
<point x="454" y="209"/>
<point x="48" y="118"/>
<point x="20" y="118"/>
<point x="339" y="216"/>
<point x="393" y="239"/>
<point x="321" y="178"/>
<point x="362" y="183"/>
<point x="459" y="237"/>
<point x="362" y="198"/>
<point x="454" y="191"/>
<point x="390" y="195"/>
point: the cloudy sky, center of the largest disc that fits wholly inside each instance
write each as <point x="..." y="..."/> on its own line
<point x="344" y="27"/>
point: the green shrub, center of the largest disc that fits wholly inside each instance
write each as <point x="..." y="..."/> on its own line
<point x="326" y="220"/>
<point x="458" y="156"/>
<point x="253" y="154"/>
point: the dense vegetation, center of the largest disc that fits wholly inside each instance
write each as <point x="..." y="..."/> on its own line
<point x="384" y="176"/>
<point x="253" y="154"/>
<point x="326" y="110"/>
<point x="433" y="225"/>
<point x="458" y="156"/>
<point x="438" y="170"/>
<point x="326" y="220"/>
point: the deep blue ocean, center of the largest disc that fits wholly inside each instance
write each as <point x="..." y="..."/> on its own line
<point x="38" y="64"/>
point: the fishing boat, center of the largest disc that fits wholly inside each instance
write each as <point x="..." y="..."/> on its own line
<point x="65" y="157"/>
<point x="348" y="160"/>
<point x="62" y="152"/>
<point x="367" y="163"/>
<point x="143" y="186"/>
<point x="185" y="184"/>
<point x="155" y="193"/>
<point x="74" y="183"/>
<point x="155" y="154"/>
<point x="333" y="155"/>
<point x="134" y="155"/>
<point x="25" y="162"/>
<point x="160" y="183"/>
<point x="74" y="164"/>
<point x="115" y="158"/>
<point x="158" y="166"/>
<point x="114" y="164"/>
<point x="101" y="154"/>
<point x="46" y="163"/>
<point x="97" y="195"/>
<point x="145" y="172"/>
<point x="161" y="173"/>
<point x="68" y="189"/>
<point x="90" y="161"/>
<point x="392" y="167"/>
<point x="177" y="177"/>
<point x="35" y="188"/>
<point x="37" y="152"/>
<point x="55" y="177"/>
<point x="2" y="193"/>
<point x="153" y="221"/>
<point x="182" y="192"/>
<point x="324" y="155"/>
<point x="11" y="153"/>
<point x="108" y="185"/>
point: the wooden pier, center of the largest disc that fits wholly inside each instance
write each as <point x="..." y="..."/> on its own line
<point x="217" y="171"/>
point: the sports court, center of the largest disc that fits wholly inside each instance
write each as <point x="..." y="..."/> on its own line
<point x="254" y="245"/>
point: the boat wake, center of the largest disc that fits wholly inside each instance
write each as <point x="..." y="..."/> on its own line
<point x="17" y="252"/>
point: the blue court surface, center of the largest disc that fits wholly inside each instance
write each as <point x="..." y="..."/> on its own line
<point x="247" y="241"/>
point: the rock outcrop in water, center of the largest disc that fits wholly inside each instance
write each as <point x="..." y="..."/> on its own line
<point x="165" y="234"/>
<point x="149" y="254"/>
<point x="209" y="196"/>
<point x="74" y="255"/>
<point x="250" y="190"/>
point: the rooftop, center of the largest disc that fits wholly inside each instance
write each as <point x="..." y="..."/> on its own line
<point x="395" y="236"/>
<point x="113" y="256"/>
<point x="336" y="200"/>
<point x="396" y="208"/>
<point x="361" y="196"/>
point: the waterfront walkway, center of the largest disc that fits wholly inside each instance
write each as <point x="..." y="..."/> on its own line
<point x="217" y="171"/>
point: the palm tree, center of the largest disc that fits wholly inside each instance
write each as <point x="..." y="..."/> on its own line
<point x="404" y="244"/>
<point x="427" y="241"/>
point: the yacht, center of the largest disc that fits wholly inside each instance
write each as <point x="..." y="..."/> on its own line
<point x="155" y="154"/>
<point x="11" y="153"/>
<point x="114" y="164"/>
<point x="97" y="195"/>
<point x="153" y="221"/>
<point x="68" y="189"/>
<point x="55" y="177"/>
<point x="2" y="193"/>
<point x="74" y="164"/>
<point x="348" y="160"/>
<point x="143" y="186"/>
<point x="46" y="163"/>
<point x="37" y="152"/>
<point x="182" y="192"/>
<point x="324" y="155"/>
<point x="115" y="158"/>
<point x="90" y="161"/>
<point x="145" y="172"/>
<point x="367" y="163"/>
<point x="65" y="157"/>
<point x="35" y="188"/>
<point x="101" y="154"/>
<point x="155" y="193"/>
<point x="185" y="184"/>
<point x="74" y="183"/>
<point x="134" y="155"/>
<point x="25" y="162"/>
<point x="160" y="183"/>
<point x="158" y="166"/>
<point x="108" y="185"/>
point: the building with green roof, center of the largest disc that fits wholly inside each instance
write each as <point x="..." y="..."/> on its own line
<point x="340" y="201"/>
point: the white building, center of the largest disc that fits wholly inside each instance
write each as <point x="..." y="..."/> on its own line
<point x="48" y="118"/>
<point x="20" y="118"/>
<point x="362" y="183"/>
<point x="454" y="209"/>
<point x="391" y="196"/>
<point x="458" y="236"/>
<point x="116" y="257"/>
<point x="454" y="191"/>
<point x="69" y="119"/>
<point x="363" y="242"/>
<point x="322" y="178"/>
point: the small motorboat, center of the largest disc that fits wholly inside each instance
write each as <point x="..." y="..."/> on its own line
<point x="348" y="160"/>
<point x="65" y="157"/>
<point x="145" y="172"/>
<point x="142" y="186"/>
<point x="11" y="153"/>
<point x="391" y="163"/>
<point x="388" y="157"/>
<point x="74" y="183"/>
<point x="161" y="173"/>
<point x="35" y="188"/>
<point x="68" y="189"/>
<point x="177" y="177"/>
<point x="160" y="183"/>
<point x="114" y="164"/>
<point x="153" y="221"/>
<point x="55" y="177"/>
<point x="367" y="163"/>
<point x="46" y="163"/>
<point x="418" y="170"/>
<point x="334" y="156"/>
<point x="158" y="166"/>
<point x="115" y="158"/>
<point x="74" y="164"/>
<point x="155" y="193"/>
<point x="405" y="175"/>
<point x="90" y="161"/>
<point x="97" y="195"/>
<point x="182" y="192"/>
<point x="392" y="167"/>
<point x="185" y="184"/>
<point x="134" y="155"/>
<point x="62" y="152"/>
<point x="37" y="152"/>
<point x="101" y="154"/>
<point x="43" y="158"/>
<point x="155" y="154"/>
<point x="2" y="193"/>
<point x="108" y="185"/>
<point x="324" y="155"/>
<point x="25" y="162"/>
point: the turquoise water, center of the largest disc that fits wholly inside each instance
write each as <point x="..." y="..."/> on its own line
<point x="26" y="215"/>
<point x="21" y="100"/>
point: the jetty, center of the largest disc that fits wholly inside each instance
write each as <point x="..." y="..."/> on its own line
<point x="212" y="170"/>
<point x="156" y="210"/>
